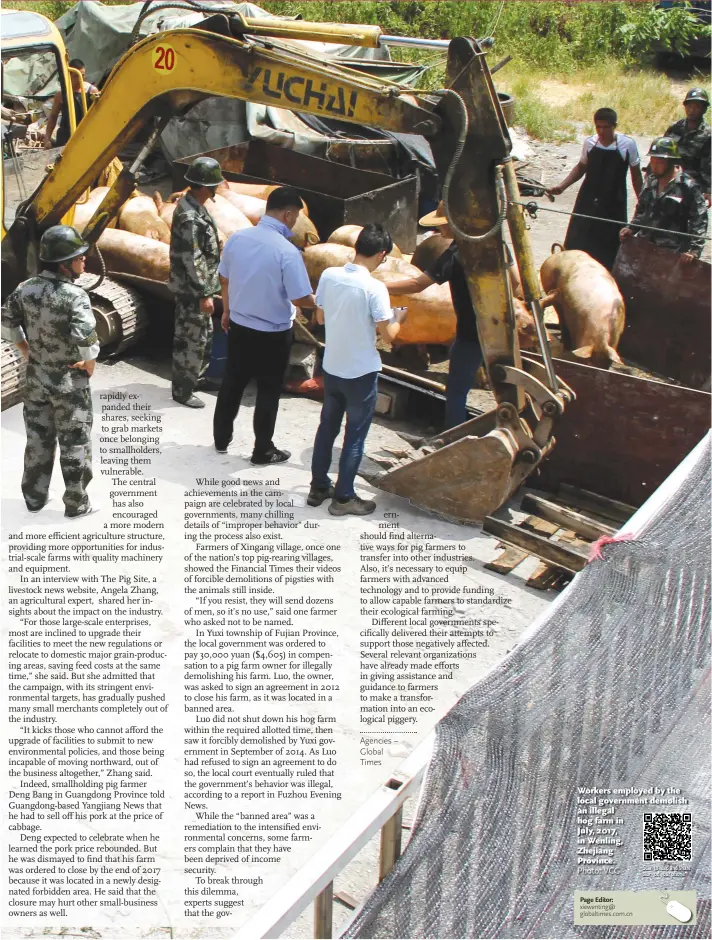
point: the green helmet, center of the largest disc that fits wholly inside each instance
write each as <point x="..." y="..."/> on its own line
<point x="697" y="94"/>
<point x="664" y="147"/>
<point x="204" y="172"/>
<point x="62" y="243"/>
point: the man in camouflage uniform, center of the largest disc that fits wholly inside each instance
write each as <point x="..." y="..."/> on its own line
<point x="670" y="200"/>
<point x="692" y="136"/>
<point x="195" y="255"/>
<point x="50" y="320"/>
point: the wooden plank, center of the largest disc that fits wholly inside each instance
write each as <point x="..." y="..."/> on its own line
<point x="535" y="524"/>
<point x="391" y="834"/>
<point x="553" y="552"/>
<point x="566" y="518"/>
<point x="571" y="501"/>
<point x="545" y="577"/>
<point x="413" y="378"/>
<point x="572" y="539"/>
<point x="346" y="899"/>
<point x="323" y="913"/>
<point x="606" y="504"/>
<point x="597" y="518"/>
<point x="623" y="435"/>
<point x="563" y="580"/>
<point x="507" y="561"/>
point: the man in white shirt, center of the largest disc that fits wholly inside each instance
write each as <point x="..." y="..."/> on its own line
<point x="606" y="159"/>
<point x="353" y="306"/>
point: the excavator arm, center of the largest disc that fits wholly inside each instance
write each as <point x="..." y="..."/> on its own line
<point x="461" y="475"/>
<point x="168" y="73"/>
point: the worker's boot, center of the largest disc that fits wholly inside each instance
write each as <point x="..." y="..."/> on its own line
<point x="355" y="506"/>
<point x="192" y="402"/>
<point x="318" y="495"/>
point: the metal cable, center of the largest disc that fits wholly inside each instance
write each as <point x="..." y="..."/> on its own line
<point x="491" y="30"/>
<point x="534" y="207"/>
<point x="102" y="274"/>
<point x="499" y="183"/>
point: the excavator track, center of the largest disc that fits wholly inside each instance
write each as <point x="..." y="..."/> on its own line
<point x="121" y="321"/>
<point x="13" y="375"/>
<point x="121" y="314"/>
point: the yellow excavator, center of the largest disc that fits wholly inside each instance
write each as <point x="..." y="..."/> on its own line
<point x="469" y="471"/>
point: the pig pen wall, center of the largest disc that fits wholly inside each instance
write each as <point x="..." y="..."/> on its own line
<point x="623" y="435"/>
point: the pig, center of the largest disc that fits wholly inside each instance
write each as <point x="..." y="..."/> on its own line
<point x="348" y="234"/>
<point x="139" y="216"/>
<point x="228" y="218"/>
<point x="83" y="211"/>
<point x="589" y="305"/>
<point x="135" y="254"/>
<point x="429" y="250"/>
<point x="165" y="209"/>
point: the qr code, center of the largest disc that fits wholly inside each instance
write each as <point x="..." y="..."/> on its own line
<point x="667" y="837"/>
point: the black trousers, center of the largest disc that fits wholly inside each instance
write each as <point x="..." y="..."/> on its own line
<point x="252" y="354"/>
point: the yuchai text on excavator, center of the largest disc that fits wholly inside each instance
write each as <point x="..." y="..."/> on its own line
<point x="465" y="473"/>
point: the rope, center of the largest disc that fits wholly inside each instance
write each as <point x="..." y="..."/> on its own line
<point x="533" y="207"/>
<point x="492" y="28"/>
<point x="596" y="549"/>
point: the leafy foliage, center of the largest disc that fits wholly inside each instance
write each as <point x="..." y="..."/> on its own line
<point x="52" y="10"/>
<point x="561" y="35"/>
<point x="651" y="28"/>
<point x="595" y="46"/>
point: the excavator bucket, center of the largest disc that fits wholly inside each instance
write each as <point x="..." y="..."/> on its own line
<point x="471" y="470"/>
<point x="465" y="480"/>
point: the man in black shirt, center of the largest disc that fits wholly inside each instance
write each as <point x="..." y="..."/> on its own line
<point x="465" y="352"/>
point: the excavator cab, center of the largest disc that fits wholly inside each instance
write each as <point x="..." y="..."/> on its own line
<point x="470" y="471"/>
<point x="34" y="68"/>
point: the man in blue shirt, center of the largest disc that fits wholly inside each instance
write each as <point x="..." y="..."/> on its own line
<point x="352" y="305"/>
<point x="262" y="276"/>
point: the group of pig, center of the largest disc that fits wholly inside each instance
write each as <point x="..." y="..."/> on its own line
<point x="137" y="242"/>
<point x="586" y="298"/>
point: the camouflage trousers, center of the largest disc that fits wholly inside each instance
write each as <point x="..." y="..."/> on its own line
<point x="52" y="418"/>
<point x="192" y="344"/>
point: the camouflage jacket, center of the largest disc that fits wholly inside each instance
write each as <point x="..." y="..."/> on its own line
<point x="54" y="315"/>
<point x="694" y="147"/>
<point x="680" y="207"/>
<point x="195" y="251"/>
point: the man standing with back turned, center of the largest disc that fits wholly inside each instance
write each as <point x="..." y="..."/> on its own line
<point x="195" y="255"/>
<point x="352" y="305"/>
<point x="261" y="277"/>
<point x="50" y="320"/>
